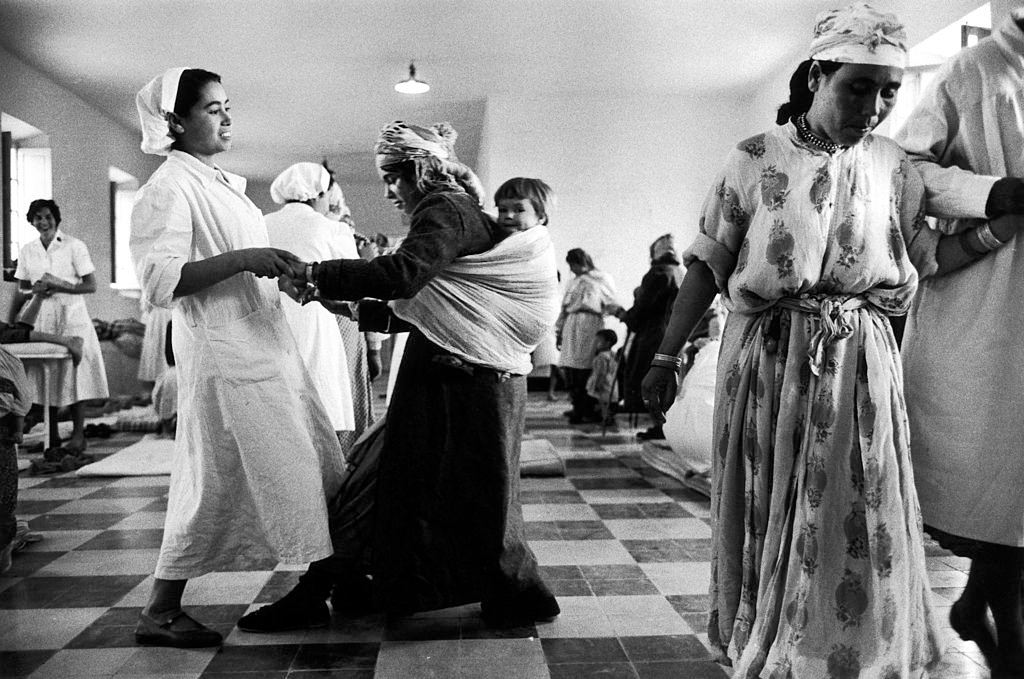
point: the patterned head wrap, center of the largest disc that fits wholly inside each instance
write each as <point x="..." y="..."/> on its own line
<point x="154" y="102"/>
<point x="400" y="141"/>
<point x="301" y="182"/>
<point x="665" y="245"/>
<point x="434" y="145"/>
<point x="859" y="34"/>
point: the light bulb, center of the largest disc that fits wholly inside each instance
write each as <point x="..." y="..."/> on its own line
<point x="411" y="85"/>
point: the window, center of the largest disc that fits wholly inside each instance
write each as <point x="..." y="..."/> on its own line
<point x="928" y="56"/>
<point x="26" y="175"/>
<point x="123" y="187"/>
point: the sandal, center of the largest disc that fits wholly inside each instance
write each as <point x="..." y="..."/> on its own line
<point x="177" y="629"/>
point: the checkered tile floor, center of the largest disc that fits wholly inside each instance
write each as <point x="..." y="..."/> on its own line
<point x="625" y="549"/>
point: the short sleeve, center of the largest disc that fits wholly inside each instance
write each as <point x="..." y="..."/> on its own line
<point x="22" y="273"/>
<point x="161" y="240"/>
<point x="80" y="259"/>
<point x="723" y="223"/>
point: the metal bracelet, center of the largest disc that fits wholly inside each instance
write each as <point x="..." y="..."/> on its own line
<point x="666" y="358"/>
<point x="987" y="238"/>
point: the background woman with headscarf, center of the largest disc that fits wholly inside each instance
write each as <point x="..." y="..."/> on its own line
<point x="303" y="228"/>
<point x="443" y="526"/>
<point x="812" y="232"/>
<point x="255" y="454"/>
<point x="58" y="268"/>
<point x="588" y="298"/>
<point x="646" y="320"/>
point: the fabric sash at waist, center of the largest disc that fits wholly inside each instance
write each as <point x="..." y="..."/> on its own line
<point x="834" y="314"/>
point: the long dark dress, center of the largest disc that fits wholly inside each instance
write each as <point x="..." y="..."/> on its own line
<point x="647" y="319"/>
<point x="446" y="526"/>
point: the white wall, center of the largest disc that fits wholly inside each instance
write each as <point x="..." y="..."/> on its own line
<point x="84" y="143"/>
<point x="625" y="168"/>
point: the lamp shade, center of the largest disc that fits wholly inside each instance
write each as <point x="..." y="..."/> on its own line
<point x="411" y="85"/>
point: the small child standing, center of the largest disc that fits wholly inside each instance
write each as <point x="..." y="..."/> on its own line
<point x="601" y="384"/>
<point x="524" y="203"/>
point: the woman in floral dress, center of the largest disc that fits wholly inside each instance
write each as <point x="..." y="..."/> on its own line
<point x="812" y="233"/>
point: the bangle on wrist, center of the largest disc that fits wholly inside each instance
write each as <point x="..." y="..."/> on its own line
<point x="987" y="238"/>
<point x="968" y="244"/>
<point x="667" y="361"/>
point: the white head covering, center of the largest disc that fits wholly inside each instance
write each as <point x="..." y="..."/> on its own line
<point x="339" y="209"/>
<point x="300" y="182"/>
<point x="859" y="34"/>
<point x="154" y="102"/>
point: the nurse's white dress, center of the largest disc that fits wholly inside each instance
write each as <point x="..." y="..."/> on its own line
<point x="255" y="455"/>
<point x="62" y="313"/>
<point x="312" y="237"/>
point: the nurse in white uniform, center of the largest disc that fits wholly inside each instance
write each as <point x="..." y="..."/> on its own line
<point x="302" y="227"/>
<point x="58" y="268"/>
<point x="255" y="454"/>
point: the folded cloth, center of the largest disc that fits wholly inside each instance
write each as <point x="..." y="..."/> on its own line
<point x="492" y="308"/>
<point x="538" y="458"/>
<point x="151" y="456"/>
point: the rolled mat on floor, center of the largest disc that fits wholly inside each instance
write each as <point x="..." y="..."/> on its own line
<point x="538" y="458"/>
<point x="152" y="456"/>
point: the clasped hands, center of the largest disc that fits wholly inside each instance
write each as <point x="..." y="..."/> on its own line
<point x="49" y="284"/>
<point x="289" y="270"/>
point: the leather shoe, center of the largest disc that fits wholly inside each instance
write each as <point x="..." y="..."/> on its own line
<point x="529" y="608"/>
<point x="177" y="629"/>
<point x="291" y="612"/>
<point x="353" y="597"/>
<point x="652" y="434"/>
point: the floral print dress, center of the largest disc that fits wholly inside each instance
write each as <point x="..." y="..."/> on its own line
<point x="818" y="565"/>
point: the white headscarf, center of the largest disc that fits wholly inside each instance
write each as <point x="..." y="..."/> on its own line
<point x="859" y="34"/>
<point x="300" y="182"/>
<point x="339" y="209"/>
<point x="154" y="102"/>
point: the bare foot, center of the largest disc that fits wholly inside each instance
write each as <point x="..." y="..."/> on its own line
<point x="74" y="345"/>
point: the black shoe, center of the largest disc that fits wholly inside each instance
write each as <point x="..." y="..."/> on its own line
<point x="652" y="434"/>
<point x="291" y="612"/>
<point x="353" y="597"/>
<point x="178" y="630"/>
<point x="531" y="608"/>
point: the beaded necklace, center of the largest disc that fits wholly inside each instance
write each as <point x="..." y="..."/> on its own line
<point x="808" y="136"/>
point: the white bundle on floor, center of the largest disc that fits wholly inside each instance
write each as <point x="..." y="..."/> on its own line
<point x="685" y="454"/>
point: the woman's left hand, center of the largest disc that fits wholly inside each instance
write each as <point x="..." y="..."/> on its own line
<point x="42" y="288"/>
<point x="658" y="389"/>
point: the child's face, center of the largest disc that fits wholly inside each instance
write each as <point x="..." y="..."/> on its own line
<point x="603" y="343"/>
<point x="517" y="214"/>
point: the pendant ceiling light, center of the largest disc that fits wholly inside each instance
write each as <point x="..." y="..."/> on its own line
<point x="411" y="85"/>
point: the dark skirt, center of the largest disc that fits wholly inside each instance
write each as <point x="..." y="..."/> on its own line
<point x="971" y="548"/>
<point x="446" y="526"/>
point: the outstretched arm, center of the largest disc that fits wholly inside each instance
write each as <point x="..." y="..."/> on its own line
<point x="695" y="295"/>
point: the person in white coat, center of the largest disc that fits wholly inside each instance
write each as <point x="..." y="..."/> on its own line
<point x="302" y="227"/>
<point x="962" y="353"/>
<point x="255" y="454"/>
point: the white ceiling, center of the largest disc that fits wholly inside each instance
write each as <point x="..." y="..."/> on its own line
<point x="314" y="78"/>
